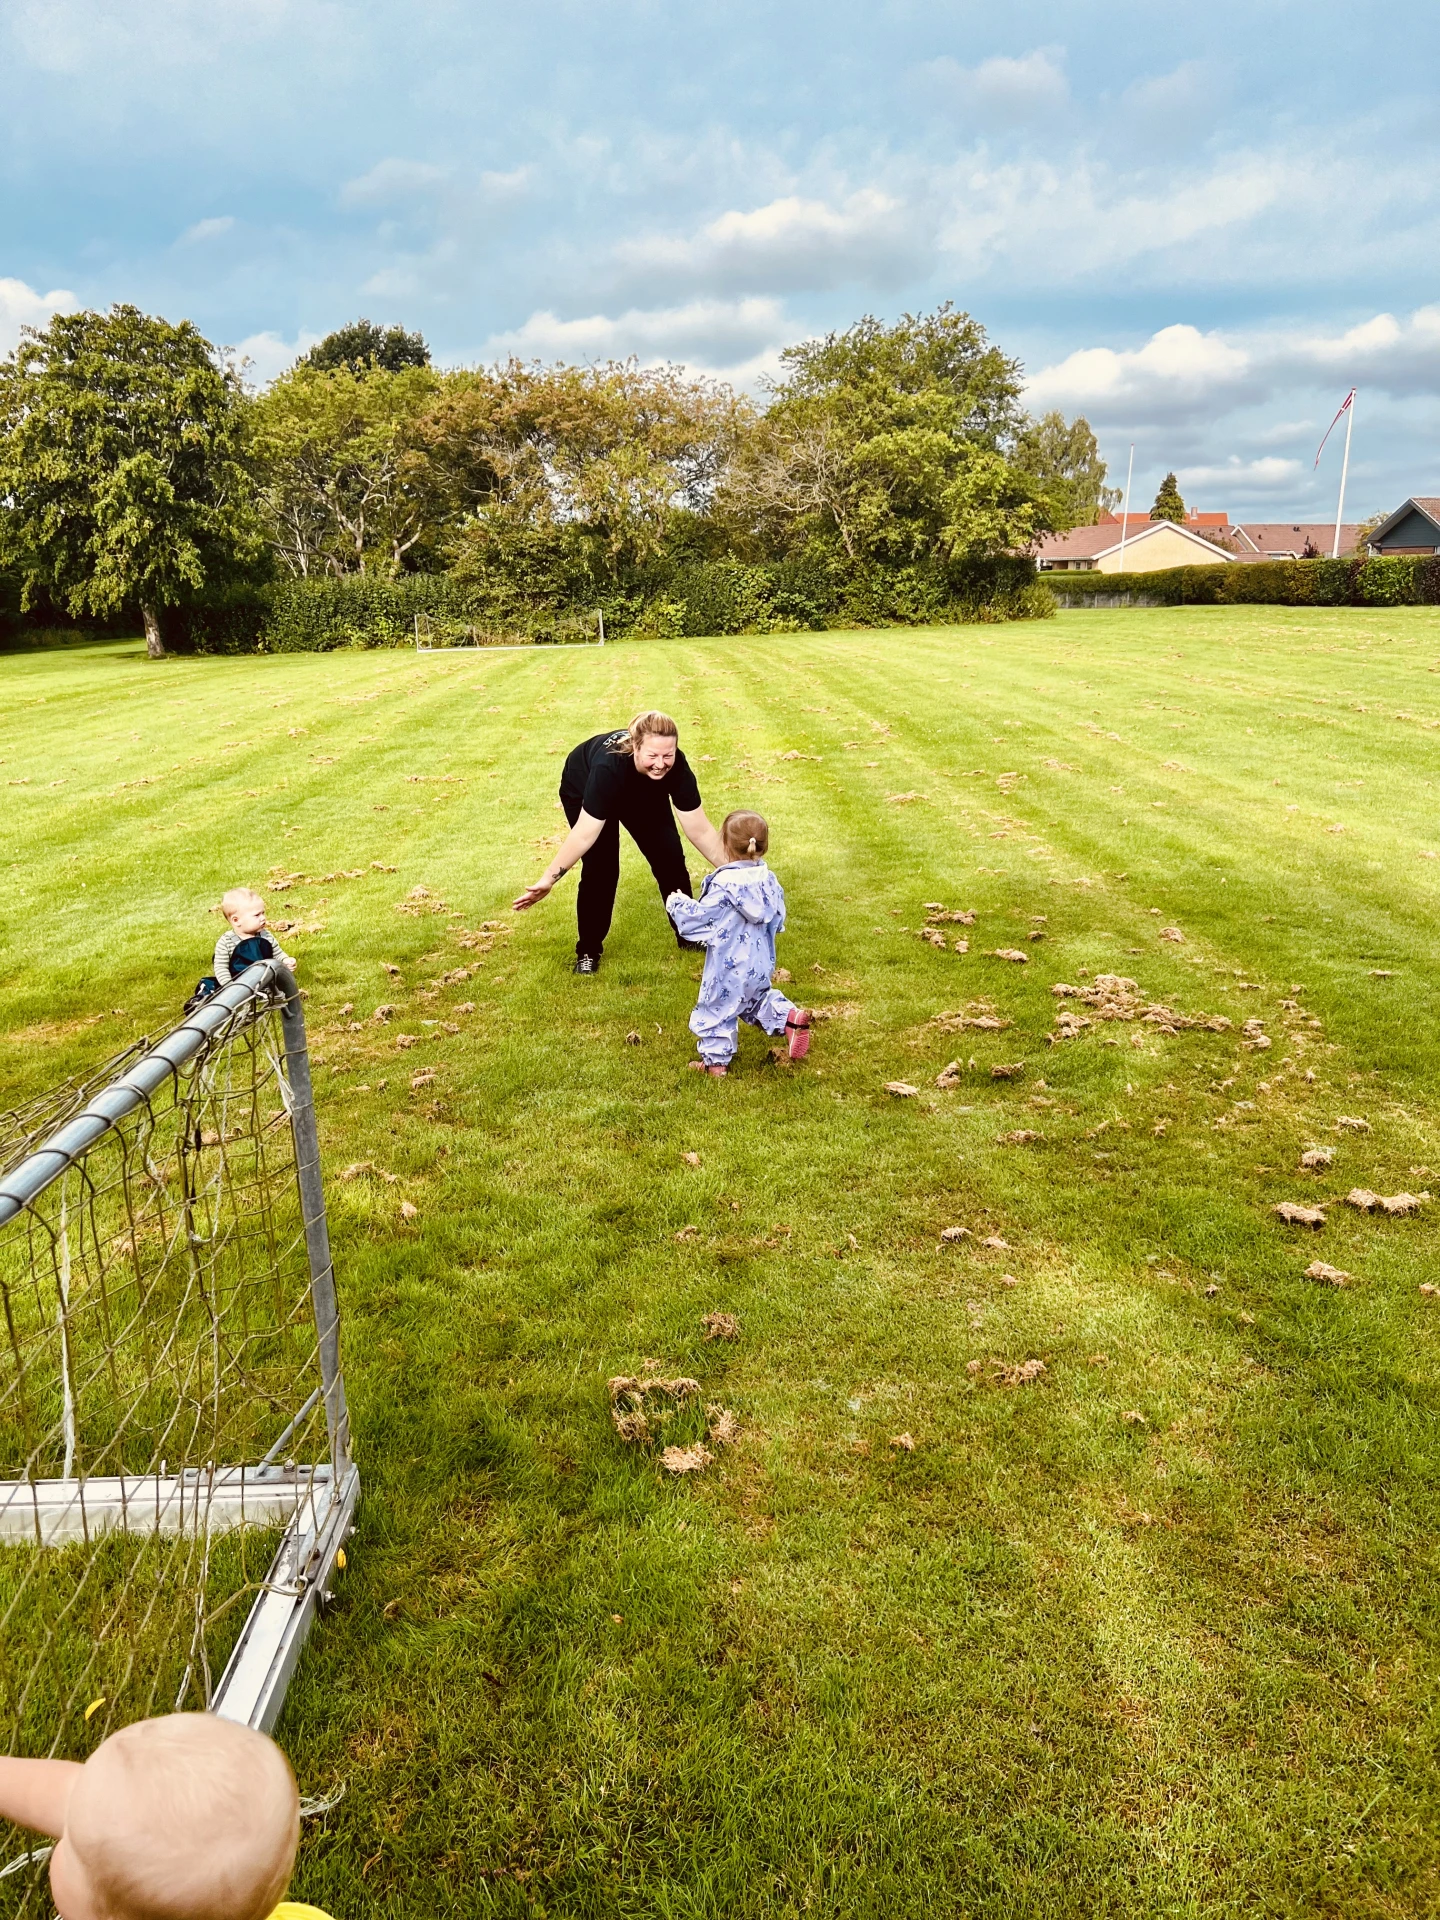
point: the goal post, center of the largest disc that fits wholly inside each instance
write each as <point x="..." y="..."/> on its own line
<point x="176" y="1478"/>
<point x="451" y="633"/>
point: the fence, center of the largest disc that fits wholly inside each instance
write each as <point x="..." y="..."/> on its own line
<point x="175" y="1471"/>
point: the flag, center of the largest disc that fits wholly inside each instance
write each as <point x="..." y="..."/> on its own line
<point x="1345" y="405"/>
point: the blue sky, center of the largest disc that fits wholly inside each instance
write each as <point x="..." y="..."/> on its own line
<point x="1198" y="225"/>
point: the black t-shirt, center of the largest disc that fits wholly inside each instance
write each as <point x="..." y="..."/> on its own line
<point x="609" y="788"/>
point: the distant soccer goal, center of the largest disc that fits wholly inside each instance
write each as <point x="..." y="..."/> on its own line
<point x="175" y="1471"/>
<point x="444" y="633"/>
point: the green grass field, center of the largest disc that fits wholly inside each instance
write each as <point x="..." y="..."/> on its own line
<point x="1152" y="1633"/>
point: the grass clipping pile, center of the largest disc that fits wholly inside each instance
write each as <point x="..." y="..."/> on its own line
<point x="1112" y="996"/>
<point x="642" y="1407"/>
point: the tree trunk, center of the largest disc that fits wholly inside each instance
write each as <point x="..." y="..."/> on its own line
<point x="154" y="645"/>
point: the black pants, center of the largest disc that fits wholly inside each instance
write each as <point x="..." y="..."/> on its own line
<point x="657" y="837"/>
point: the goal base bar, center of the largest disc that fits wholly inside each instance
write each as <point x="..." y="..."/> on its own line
<point x="53" y="1513"/>
<point x="252" y="1687"/>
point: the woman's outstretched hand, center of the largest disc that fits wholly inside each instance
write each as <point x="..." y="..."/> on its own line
<point x="532" y="896"/>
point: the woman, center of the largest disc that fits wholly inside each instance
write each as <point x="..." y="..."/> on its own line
<point x="629" y="779"/>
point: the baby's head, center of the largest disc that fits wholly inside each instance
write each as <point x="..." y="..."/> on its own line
<point x="184" y="1818"/>
<point x="244" y="909"/>
<point x="746" y="835"/>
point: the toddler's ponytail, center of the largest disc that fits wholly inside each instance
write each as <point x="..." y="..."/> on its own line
<point x="745" y="834"/>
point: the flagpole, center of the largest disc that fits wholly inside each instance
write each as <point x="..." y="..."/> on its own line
<point x="1125" y="510"/>
<point x="1344" y="471"/>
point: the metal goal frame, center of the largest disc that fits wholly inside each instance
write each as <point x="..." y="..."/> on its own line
<point x="314" y="1503"/>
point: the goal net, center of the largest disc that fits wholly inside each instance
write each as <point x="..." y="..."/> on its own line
<point x="175" y="1472"/>
<point x="446" y="633"/>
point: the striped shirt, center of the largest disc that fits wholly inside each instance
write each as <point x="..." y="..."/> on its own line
<point x="229" y="941"/>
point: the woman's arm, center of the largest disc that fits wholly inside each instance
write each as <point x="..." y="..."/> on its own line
<point x="581" y="837"/>
<point x="35" y="1793"/>
<point x="701" y="835"/>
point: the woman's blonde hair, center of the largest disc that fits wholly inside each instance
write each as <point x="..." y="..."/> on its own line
<point x="745" y="833"/>
<point x="640" y="727"/>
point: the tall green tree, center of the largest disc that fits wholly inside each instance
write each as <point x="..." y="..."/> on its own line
<point x="363" y="345"/>
<point x="1168" y="504"/>
<point x="341" y="485"/>
<point x="892" y="442"/>
<point x="1062" y="457"/>
<point x="578" y="471"/>
<point x="121" y="466"/>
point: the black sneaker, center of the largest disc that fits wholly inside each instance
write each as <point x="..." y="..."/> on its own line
<point x="587" y="963"/>
<point x="691" y="946"/>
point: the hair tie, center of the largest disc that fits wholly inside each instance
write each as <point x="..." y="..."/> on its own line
<point x="751" y="847"/>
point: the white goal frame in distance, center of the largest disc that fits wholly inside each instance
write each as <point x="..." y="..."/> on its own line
<point x="315" y="1504"/>
<point x="423" y="645"/>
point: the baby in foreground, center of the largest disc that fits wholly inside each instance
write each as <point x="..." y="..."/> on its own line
<point x="740" y="912"/>
<point x="188" y="1817"/>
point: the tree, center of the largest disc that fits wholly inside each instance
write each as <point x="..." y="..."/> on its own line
<point x="363" y="345"/>
<point x="121" y="442"/>
<point x="341" y="486"/>
<point x="580" y="471"/>
<point x="1063" y="459"/>
<point x="891" y="442"/>
<point x="1168" y="504"/>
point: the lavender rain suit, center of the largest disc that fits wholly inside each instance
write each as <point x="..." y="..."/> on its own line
<point x="740" y="911"/>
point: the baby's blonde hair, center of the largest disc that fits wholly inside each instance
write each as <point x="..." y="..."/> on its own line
<point x="745" y="833"/>
<point x="237" y="896"/>
<point x="188" y="1817"/>
<point x="639" y="730"/>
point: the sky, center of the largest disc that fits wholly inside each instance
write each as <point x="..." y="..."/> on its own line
<point x="1199" y="226"/>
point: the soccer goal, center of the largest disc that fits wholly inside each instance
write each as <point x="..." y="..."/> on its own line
<point x="175" y="1472"/>
<point x="444" y="633"/>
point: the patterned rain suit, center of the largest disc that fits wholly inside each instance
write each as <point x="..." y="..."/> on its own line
<point x="740" y="911"/>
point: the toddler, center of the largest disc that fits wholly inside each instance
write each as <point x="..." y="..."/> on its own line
<point x="188" y="1817"/>
<point x="246" y="942"/>
<point x="740" y="911"/>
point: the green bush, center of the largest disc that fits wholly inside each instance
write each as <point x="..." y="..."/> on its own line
<point x="1274" y="583"/>
<point x="807" y="592"/>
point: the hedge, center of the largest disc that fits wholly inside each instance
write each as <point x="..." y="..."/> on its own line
<point x="694" y="598"/>
<point x="1409" y="582"/>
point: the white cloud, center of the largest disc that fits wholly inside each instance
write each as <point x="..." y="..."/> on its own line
<point x="508" y="185"/>
<point x="1178" y="369"/>
<point x="269" y="355"/>
<point x="22" y="306"/>
<point x="1181" y="373"/>
<point x="394" y="283"/>
<point x="207" y="229"/>
<point x="1266" y="475"/>
<point x="739" y="337"/>
<point x="1063" y="222"/>
<point x="788" y="244"/>
<point x="392" y="180"/>
<point x="1002" y="90"/>
<point x="75" y="36"/>
<point x="1172" y="104"/>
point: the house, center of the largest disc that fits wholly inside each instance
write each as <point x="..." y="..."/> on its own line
<point x="1141" y="545"/>
<point x="1201" y="539"/>
<point x="1292" y="540"/>
<point x="1413" y="528"/>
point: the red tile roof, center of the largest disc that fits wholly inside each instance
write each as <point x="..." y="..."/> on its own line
<point x="1283" y="537"/>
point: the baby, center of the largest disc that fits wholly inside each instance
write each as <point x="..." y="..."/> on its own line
<point x="247" y="941"/>
<point x="184" y="1818"/>
<point x="740" y="911"/>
